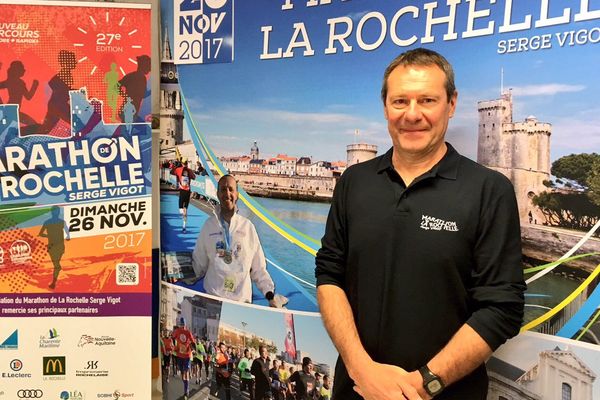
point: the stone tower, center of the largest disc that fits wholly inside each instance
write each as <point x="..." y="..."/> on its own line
<point x="359" y="152"/>
<point x="519" y="150"/>
<point x="171" y="111"/>
<point x="254" y="151"/>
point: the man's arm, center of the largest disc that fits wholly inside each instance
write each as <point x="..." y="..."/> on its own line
<point x="461" y="356"/>
<point x="374" y="381"/>
<point x="258" y="268"/>
<point x="200" y="257"/>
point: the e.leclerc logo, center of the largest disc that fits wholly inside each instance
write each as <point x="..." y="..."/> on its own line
<point x="16" y="372"/>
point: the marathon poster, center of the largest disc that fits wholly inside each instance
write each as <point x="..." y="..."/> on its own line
<point x="75" y="198"/>
<point x="301" y="102"/>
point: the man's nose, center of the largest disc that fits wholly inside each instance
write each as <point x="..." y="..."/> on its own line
<point x="413" y="111"/>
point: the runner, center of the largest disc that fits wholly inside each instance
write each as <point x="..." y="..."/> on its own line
<point x="184" y="177"/>
<point x="246" y="378"/>
<point x="305" y="382"/>
<point x="197" y="362"/>
<point x="166" y="347"/>
<point x="223" y="374"/>
<point x="184" y="343"/>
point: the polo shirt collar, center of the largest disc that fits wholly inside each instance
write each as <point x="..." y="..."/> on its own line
<point x="447" y="167"/>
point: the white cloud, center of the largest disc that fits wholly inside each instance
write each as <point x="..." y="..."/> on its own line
<point x="570" y="135"/>
<point x="549" y="89"/>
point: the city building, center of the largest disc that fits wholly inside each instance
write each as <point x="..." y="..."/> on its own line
<point x="201" y="313"/>
<point x="303" y="166"/>
<point x="557" y="375"/>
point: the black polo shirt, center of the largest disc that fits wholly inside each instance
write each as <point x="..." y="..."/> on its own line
<point x="418" y="262"/>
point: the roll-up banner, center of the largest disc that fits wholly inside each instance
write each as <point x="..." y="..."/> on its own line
<point x="75" y="200"/>
<point x="285" y="96"/>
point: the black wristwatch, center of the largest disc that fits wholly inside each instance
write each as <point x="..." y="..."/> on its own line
<point x="432" y="383"/>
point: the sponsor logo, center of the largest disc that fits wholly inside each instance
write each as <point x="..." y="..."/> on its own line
<point x="117" y="394"/>
<point x="51" y="340"/>
<point x="71" y="395"/>
<point x="11" y="342"/>
<point x="20" y="252"/>
<point x="16" y="366"/>
<point x="30" y="394"/>
<point x="91" y="370"/>
<point x="54" y="368"/>
<point x="85" y="340"/>
<point x="437" y="224"/>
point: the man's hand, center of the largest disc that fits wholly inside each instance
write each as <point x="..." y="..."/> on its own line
<point x="378" y="381"/>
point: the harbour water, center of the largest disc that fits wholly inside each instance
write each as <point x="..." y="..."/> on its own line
<point x="310" y="218"/>
<point x="306" y="217"/>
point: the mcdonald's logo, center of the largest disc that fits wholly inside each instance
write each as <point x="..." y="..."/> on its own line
<point x="54" y="366"/>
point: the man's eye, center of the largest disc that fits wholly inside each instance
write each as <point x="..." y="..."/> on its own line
<point x="399" y="102"/>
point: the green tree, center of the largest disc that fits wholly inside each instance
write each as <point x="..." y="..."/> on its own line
<point x="594" y="184"/>
<point x="575" y="167"/>
<point x="568" y="210"/>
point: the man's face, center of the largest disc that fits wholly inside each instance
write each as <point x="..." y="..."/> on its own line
<point x="227" y="194"/>
<point x="264" y="353"/>
<point x="223" y="348"/>
<point x="308" y="368"/>
<point x="417" y="109"/>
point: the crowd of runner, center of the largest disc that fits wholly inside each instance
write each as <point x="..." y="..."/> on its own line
<point x="259" y="376"/>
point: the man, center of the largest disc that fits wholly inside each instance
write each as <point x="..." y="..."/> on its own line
<point x="419" y="274"/>
<point x="318" y="382"/>
<point x="325" y="391"/>
<point x="184" y="344"/>
<point x="260" y="370"/>
<point x="166" y="347"/>
<point x="305" y="382"/>
<point x="223" y="373"/>
<point x="200" y="353"/>
<point x="276" y="382"/>
<point x="246" y="378"/>
<point x="284" y="375"/>
<point x="184" y="176"/>
<point x="228" y="253"/>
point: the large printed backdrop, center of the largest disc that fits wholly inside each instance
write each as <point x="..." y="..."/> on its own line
<point x="300" y="98"/>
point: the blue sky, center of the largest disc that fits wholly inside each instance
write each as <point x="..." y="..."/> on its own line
<point x="313" y="105"/>
<point x="310" y="333"/>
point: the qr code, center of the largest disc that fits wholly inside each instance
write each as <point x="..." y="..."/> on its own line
<point x="128" y="274"/>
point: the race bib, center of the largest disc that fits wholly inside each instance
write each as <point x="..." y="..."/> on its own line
<point x="229" y="284"/>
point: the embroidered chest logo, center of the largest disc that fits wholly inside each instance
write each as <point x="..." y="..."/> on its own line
<point x="436" y="224"/>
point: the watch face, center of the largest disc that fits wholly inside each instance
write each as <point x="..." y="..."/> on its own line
<point x="434" y="386"/>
